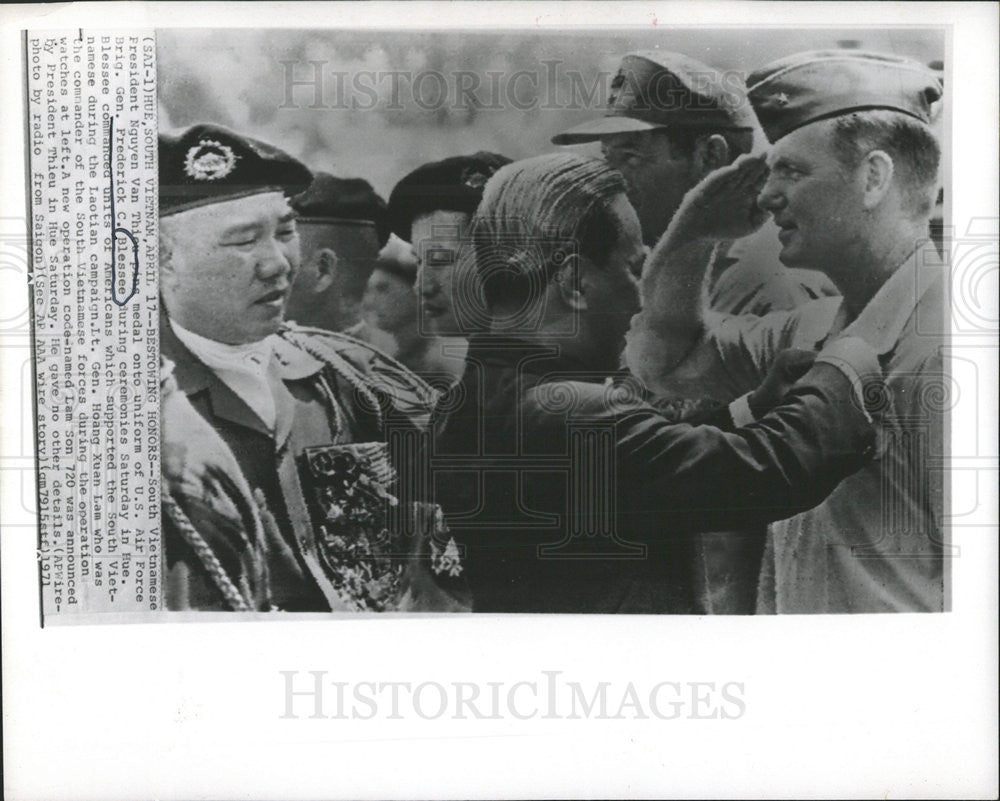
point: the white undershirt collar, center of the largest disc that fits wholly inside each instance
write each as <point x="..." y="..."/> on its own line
<point x="243" y="368"/>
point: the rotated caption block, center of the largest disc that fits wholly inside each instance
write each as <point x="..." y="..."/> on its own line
<point x="94" y="278"/>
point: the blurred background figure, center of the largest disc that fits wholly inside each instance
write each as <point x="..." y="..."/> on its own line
<point x="391" y="318"/>
<point x="431" y="208"/>
<point x="342" y="225"/>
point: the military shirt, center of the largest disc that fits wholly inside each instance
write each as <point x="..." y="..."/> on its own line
<point x="328" y="389"/>
<point x="876" y="544"/>
<point x="750" y="278"/>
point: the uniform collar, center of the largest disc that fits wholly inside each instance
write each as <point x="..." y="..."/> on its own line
<point x="292" y="362"/>
<point x="882" y="321"/>
<point x="194" y="376"/>
<point x="528" y="357"/>
<point x="252" y="357"/>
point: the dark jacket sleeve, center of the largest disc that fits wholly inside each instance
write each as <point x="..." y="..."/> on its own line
<point x="704" y="478"/>
<point x="787" y="462"/>
<point x="720" y="417"/>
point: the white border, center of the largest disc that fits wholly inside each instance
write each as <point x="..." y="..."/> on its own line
<point x="899" y="706"/>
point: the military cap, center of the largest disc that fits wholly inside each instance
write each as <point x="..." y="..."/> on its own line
<point x="208" y="163"/>
<point x="655" y="89"/>
<point x="807" y="87"/>
<point x="334" y="200"/>
<point x="455" y="184"/>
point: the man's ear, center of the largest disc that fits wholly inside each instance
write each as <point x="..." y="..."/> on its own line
<point x="568" y="285"/>
<point x="878" y="173"/>
<point x="710" y="153"/>
<point x="326" y="268"/>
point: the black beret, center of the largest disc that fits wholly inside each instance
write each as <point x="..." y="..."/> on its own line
<point x="331" y="199"/>
<point x="812" y="86"/>
<point x="208" y="163"/>
<point x="655" y="89"/>
<point x="455" y="184"/>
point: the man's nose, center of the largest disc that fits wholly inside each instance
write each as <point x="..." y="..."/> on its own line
<point x="427" y="283"/>
<point x="770" y="198"/>
<point x="272" y="261"/>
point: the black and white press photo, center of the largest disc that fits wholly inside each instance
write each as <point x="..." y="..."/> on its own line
<point x="590" y="322"/>
<point x="499" y="400"/>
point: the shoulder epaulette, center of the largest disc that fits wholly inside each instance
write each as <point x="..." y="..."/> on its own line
<point x="369" y="370"/>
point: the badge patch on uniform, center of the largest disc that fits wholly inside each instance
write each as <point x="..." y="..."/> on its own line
<point x="209" y="160"/>
<point x="347" y="489"/>
<point x="379" y="558"/>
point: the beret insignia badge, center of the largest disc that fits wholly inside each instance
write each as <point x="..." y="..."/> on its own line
<point x="209" y="160"/>
<point x="474" y="178"/>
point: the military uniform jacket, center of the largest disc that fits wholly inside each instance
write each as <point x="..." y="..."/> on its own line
<point x="215" y="545"/>
<point x="570" y="494"/>
<point x="876" y="544"/>
<point x="329" y="389"/>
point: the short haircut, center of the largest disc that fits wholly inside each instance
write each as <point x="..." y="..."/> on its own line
<point x="536" y="212"/>
<point x="915" y="152"/>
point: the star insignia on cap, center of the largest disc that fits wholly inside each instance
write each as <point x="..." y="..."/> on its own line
<point x="781" y="99"/>
<point x="209" y="160"/>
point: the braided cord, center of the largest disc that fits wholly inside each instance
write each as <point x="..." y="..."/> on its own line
<point x="353" y="376"/>
<point x="203" y="551"/>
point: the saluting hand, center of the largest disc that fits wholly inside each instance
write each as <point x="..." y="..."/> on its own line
<point x="724" y="204"/>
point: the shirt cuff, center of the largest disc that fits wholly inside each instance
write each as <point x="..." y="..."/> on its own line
<point x="740" y="411"/>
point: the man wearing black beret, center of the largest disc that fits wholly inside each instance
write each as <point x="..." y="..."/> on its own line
<point x="290" y="403"/>
<point x="850" y="181"/>
<point x="342" y="224"/>
<point x="431" y="208"/>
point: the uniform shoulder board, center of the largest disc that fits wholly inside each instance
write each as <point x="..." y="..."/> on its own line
<point x="368" y="368"/>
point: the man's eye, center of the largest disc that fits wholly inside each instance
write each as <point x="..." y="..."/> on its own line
<point x="285" y="234"/>
<point x="241" y="243"/>
<point x="623" y="158"/>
